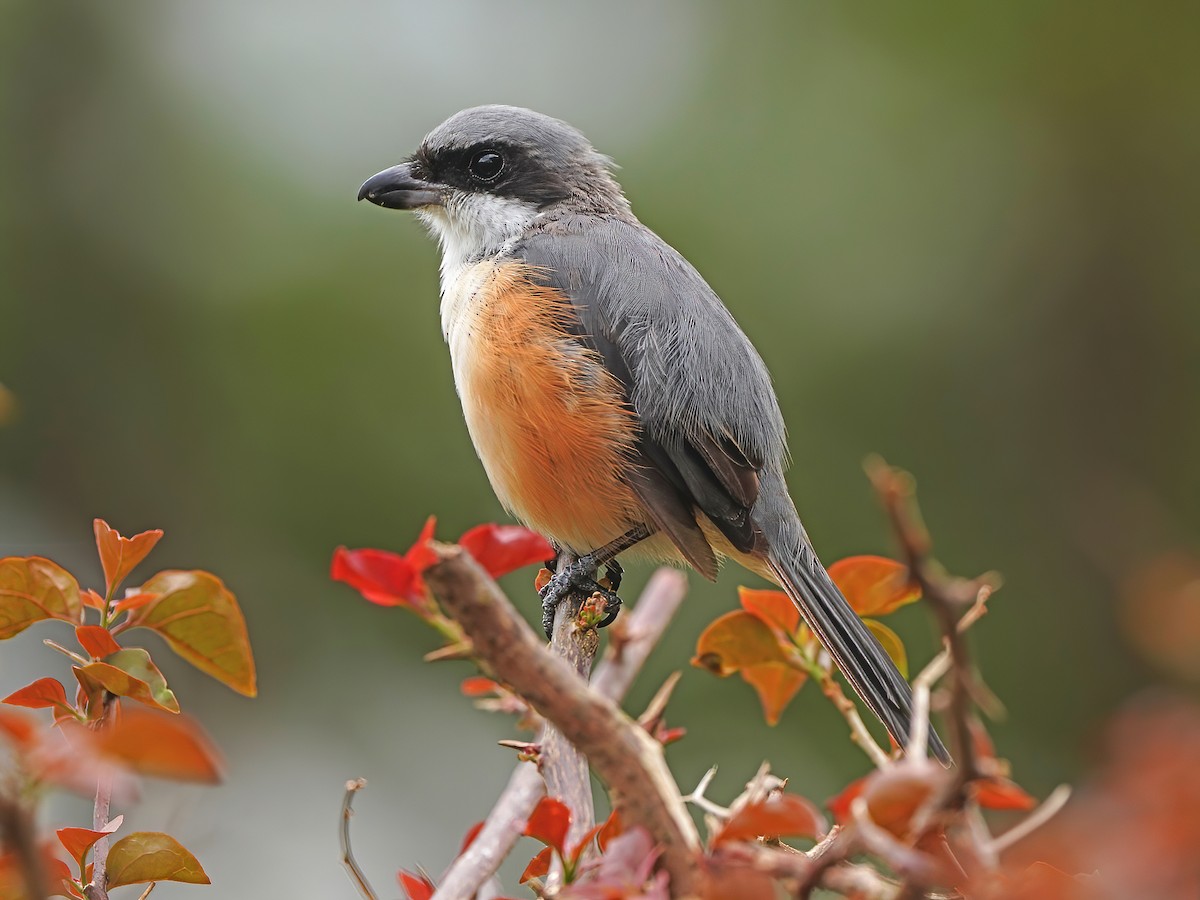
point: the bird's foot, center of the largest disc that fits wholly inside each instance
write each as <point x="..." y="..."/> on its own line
<point x="579" y="579"/>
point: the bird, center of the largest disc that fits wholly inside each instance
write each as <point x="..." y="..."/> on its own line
<point x="614" y="402"/>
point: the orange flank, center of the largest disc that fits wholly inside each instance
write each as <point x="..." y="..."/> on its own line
<point x="550" y="423"/>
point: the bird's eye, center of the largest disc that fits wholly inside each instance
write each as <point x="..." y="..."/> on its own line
<point x="486" y="165"/>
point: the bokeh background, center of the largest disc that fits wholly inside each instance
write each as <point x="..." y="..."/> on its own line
<point x="963" y="236"/>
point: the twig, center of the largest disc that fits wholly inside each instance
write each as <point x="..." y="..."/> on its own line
<point x="858" y="729"/>
<point x="918" y="741"/>
<point x="635" y="635"/>
<point x="356" y="874"/>
<point x="639" y="631"/>
<point x="697" y="798"/>
<point x="623" y="755"/>
<point x="97" y="888"/>
<point x="146" y="892"/>
<point x="1036" y="819"/>
<point x="949" y="599"/>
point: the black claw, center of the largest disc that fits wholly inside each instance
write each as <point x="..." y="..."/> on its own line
<point x="614" y="572"/>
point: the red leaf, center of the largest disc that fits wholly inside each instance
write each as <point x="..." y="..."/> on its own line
<point x="612" y="828"/>
<point x="478" y="686"/>
<point x="874" y="585"/>
<point x="777" y="815"/>
<point x="469" y="837"/>
<point x="1001" y="793"/>
<point x="78" y="841"/>
<point x="840" y="805"/>
<point x="97" y="642"/>
<point x="415" y="887"/>
<point x="385" y="578"/>
<point x="773" y="607"/>
<point x="549" y="824"/>
<point x="119" y="555"/>
<point x="538" y="866"/>
<point x="501" y="549"/>
<point x="41" y="694"/>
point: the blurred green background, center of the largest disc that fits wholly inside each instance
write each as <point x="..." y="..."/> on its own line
<point x="963" y="236"/>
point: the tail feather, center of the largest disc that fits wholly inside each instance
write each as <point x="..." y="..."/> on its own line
<point x="855" y="651"/>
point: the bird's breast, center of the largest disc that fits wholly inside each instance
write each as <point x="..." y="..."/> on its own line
<point x="550" y="423"/>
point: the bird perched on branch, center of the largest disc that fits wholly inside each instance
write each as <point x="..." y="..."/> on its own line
<point x="613" y="400"/>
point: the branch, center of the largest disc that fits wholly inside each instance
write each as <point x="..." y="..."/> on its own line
<point x="951" y="599"/>
<point x="97" y="888"/>
<point x="627" y="758"/>
<point x="356" y="874"/>
<point x="563" y="767"/>
<point x="631" y="639"/>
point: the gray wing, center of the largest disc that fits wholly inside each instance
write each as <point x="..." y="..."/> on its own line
<point x="711" y="426"/>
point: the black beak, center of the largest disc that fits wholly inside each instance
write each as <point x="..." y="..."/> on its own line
<point x="397" y="188"/>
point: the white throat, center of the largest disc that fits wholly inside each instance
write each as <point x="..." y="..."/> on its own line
<point x="473" y="227"/>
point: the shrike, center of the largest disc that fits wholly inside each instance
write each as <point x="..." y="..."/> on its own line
<point x="613" y="400"/>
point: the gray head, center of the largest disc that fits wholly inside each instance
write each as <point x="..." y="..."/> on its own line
<point x="486" y="173"/>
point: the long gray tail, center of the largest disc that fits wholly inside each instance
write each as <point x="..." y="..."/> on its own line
<point x="855" y="651"/>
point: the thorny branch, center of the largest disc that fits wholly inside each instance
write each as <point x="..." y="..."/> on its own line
<point x="631" y="639"/>
<point x="623" y="755"/>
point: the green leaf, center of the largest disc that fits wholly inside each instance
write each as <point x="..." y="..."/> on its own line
<point x="892" y="645"/>
<point x="129" y="673"/>
<point x="33" y="589"/>
<point x="152" y="856"/>
<point x="200" y="619"/>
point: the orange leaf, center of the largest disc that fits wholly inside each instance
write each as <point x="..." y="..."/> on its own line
<point x="840" y="805"/>
<point x="538" y="866"/>
<point x="542" y="579"/>
<point x="776" y="685"/>
<point x="41" y="694"/>
<point x="133" y="601"/>
<point x="891" y="643"/>
<point x="549" y="823"/>
<point x="128" y="673"/>
<point x="894" y="795"/>
<point x="501" y="549"/>
<point x="92" y="599"/>
<point x="777" y="815"/>
<point x="18" y="728"/>
<point x="78" y="841"/>
<point x="119" y="555"/>
<point x="97" y="642"/>
<point x="199" y="617"/>
<point x="1001" y="793"/>
<point x="33" y="589"/>
<point x="773" y="607"/>
<point x="160" y="745"/>
<point x="736" y="640"/>
<point x="874" y="585"/>
<point x="415" y="887"/>
<point x="152" y="856"/>
<point x="478" y="686"/>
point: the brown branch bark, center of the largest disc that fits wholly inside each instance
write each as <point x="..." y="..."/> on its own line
<point x="632" y="638"/>
<point x="621" y="753"/>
